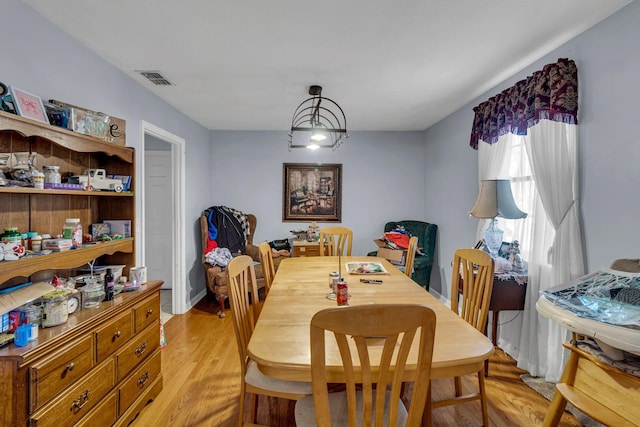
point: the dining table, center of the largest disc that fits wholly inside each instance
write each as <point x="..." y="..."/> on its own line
<point x="280" y="343"/>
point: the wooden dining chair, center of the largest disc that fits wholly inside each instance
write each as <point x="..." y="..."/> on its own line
<point x="243" y="300"/>
<point x="411" y="256"/>
<point x="268" y="268"/>
<point x="471" y="286"/>
<point x="335" y="240"/>
<point x="378" y="338"/>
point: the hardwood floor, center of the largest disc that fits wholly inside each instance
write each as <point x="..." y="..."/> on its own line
<point x="201" y="370"/>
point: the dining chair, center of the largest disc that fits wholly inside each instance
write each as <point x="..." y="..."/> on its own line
<point x="471" y="286"/>
<point x="411" y="256"/>
<point x="378" y="338"/>
<point x="337" y="240"/>
<point x="243" y="300"/>
<point x="268" y="268"/>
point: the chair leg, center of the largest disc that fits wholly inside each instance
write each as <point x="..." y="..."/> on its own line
<point x="554" y="413"/>
<point x="483" y="399"/>
<point x="241" y="405"/>
<point x="458" y="386"/>
<point x="221" y="299"/>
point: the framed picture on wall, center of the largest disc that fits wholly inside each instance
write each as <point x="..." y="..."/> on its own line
<point x="311" y="192"/>
<point x="29" y="105"/>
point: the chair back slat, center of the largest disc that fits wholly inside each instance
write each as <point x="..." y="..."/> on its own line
<point x="335" y="240"/>
<point x="374" y="343"/>
<point x="471" y="286"/>
<point x="266" y="261"/>
<point x="244" y="301"/>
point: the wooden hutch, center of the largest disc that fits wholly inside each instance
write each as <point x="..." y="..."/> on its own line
<point x="103" y="365"/>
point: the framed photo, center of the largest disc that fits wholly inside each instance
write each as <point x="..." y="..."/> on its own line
<point x="312" y="192"/>
<point x="29" y="105"/>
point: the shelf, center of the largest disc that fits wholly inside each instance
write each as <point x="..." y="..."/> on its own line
<point x="63" y="137"/>
<point x="27" y="266"/>
<point x="31" y="190"/>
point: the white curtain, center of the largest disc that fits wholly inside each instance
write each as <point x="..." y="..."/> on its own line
<point x="550" y="239"/>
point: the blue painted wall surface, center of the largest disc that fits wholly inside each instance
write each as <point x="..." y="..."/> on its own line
<point x="430" y="175"/>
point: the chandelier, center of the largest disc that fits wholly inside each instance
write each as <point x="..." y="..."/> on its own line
<point x="318" y="122"/>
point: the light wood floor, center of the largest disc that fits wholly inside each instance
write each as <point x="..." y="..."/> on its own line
<point x="201" y="370"/>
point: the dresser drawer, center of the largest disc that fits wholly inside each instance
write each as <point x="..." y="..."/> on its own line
<point x="104" y="414"/>
<point x="141" y="378"/>
<point x="70" y="406"/>
<point x="146" y="312"/>
<point x="111" y="336"/>
<point x="53" y="374"/>
<point x="138" y="348"/>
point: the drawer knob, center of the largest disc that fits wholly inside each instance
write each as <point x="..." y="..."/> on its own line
<point x="70" y="366"/>
<point x="141" y="349"/>
<point x="117" y="334"/>
<point x="143" y="379"/>
<point x="80" y="401"/>
<point x="149" y="312"/>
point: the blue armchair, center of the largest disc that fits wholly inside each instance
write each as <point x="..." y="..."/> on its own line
<point x="426" y="234"/>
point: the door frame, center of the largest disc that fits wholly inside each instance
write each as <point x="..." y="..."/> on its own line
<point x="178" y="190"/>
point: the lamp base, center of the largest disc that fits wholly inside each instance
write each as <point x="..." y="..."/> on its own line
<point x="493" y="238"/>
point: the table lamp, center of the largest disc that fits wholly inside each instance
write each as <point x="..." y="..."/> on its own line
<point x="495" y="199"/>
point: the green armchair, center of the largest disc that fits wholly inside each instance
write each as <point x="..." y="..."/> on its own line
<point x="426" y="233"/>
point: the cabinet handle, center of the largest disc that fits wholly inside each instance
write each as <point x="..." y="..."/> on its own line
<point x="70" y="366"/>
<point x="141" y="349"/>
<point x="143" y="379"/>
<point x="116" y="335"/>
<point x="149" y="312"/>
<point x="80" y="401"/>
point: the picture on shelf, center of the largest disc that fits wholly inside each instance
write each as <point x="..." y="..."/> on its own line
<point x="28" y="105"/>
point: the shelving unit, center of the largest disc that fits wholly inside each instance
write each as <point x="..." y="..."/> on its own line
<point x="103" y="365"/>
<point x="45" y="211"/>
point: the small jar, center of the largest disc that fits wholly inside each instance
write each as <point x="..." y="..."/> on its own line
<point x="55" y="311"/>
<point x="38" y="180"/>
<point x="36" y="243"/>
<point x="73" y="230"/>
<point x="334" y="276"/>
<point x="52" y="175"/>
<point x="11" y="235"/>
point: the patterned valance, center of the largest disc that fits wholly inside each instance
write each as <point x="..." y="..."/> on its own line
<point x="551" y="94"/>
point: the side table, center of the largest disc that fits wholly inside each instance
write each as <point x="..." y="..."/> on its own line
<point x="508" y="294"/>
<point x="302" y="248"/>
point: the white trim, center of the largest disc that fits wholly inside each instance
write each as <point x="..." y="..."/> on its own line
<point x="178" y="154"/>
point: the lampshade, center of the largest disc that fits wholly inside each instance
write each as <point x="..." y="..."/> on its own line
<point x="318" y="122"/>
<point x="495" y="199"/>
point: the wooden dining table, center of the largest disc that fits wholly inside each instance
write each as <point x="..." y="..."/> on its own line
<point x="280" y="343"/>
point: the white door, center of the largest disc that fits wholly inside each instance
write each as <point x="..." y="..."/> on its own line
<point x="158" y="198"/>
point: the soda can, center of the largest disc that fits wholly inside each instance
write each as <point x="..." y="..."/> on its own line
<point x="342" y="293"/>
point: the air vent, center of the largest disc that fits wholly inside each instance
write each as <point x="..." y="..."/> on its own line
<point x="155" y="77"/>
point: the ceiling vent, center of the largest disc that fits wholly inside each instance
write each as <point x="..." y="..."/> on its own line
<point x="155" y="77"/>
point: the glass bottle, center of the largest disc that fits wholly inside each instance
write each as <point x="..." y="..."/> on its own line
<point x="73" y="230"/>
<point x="109" y="285"/>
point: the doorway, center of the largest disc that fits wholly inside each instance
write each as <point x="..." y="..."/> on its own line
<point x="163" y="211"/>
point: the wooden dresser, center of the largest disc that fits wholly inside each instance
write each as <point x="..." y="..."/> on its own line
<point x="103" y="365"/>
<point x="100" y="368"/>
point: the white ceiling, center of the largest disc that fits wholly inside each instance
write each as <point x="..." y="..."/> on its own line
<point x="391" y="65"/>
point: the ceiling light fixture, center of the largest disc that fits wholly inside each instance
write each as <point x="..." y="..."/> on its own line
<point x="318" y="122"/>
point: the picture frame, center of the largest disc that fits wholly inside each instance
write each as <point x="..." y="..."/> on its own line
<point x="29" y="105"/>
<point x="311" y="192"/>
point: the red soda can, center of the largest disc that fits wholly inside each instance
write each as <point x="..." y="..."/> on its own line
<point x="342" y="292"/>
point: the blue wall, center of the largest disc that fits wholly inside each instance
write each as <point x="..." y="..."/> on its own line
<point x="609" y="144"/>
<point x="430" y="175"/>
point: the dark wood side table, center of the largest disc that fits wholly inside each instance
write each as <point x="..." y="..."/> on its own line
<point x="507" y="294"/>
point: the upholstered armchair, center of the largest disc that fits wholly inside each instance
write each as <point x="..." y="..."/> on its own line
<point x="426" y="234"/>
<point x="216" y="276"/>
